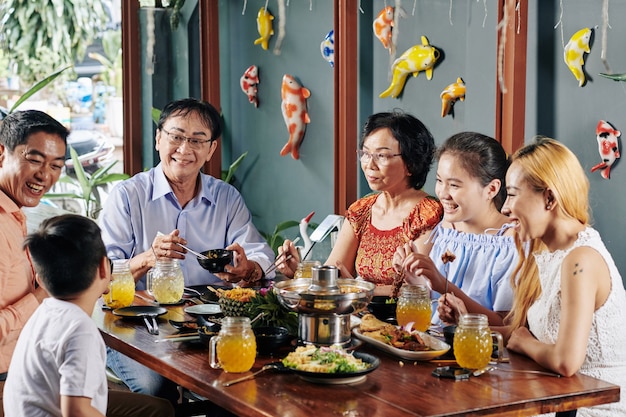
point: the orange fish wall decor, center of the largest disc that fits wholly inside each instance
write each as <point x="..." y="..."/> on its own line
<point x="295" y="113"/>
<point x="383" y="25"/>
<point x="452" y="93"/>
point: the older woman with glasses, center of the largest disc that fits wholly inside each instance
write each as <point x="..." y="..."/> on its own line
<point x="396" y="152"/>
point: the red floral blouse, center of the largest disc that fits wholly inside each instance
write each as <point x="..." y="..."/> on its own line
<point x="376" y="247"/>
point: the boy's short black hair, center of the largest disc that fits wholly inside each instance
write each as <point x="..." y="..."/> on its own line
<point x="66" y="251"/>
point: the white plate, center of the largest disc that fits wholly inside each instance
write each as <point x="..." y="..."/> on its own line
<point x="204" y="309"/>
<point x="439" y="347"/>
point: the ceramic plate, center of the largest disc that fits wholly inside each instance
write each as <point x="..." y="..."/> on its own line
<point x="140" y="311"/>
<point x="340" y="378"/>
<point x="439" y="347"/>
<point x="204" y="309"/>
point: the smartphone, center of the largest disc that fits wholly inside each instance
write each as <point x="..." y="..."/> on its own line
<point x="453" y="372"/>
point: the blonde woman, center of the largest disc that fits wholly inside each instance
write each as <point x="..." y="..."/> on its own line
<point x="568" y="311"/>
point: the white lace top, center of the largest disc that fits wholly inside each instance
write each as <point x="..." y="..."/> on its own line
<point x="606" y="349"/>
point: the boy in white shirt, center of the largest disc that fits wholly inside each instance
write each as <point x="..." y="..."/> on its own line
<point x="58" y="367"/>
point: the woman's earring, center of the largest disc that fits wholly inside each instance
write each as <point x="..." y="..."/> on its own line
<point x="548" y="206"/>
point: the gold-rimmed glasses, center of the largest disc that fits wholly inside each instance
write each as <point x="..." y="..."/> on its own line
<point x="178" y="139"/>
<point x="380" y="158"/>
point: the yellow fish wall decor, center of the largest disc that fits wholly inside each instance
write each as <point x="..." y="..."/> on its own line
<point x="415" y="59"/>
<point x="452" y="93"/>
<point x="574" y="53"/>
<point x="264" y="26"/>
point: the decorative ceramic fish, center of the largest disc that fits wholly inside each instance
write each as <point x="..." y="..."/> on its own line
<point x="614" y="77"/>
<point x="383" y="25"/>
<point x="608" y="147"/>
<point x="295" y="114"/>
<point x="415" y="59"/>
<point x="249" y="82"/>
<point x="327" y="48"/>
<point x="574" y="53"/>
<point x="452" y="93"/>
<point x="264" y="26"/>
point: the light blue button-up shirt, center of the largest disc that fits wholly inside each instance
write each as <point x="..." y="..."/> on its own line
<point x="140" y="207"/>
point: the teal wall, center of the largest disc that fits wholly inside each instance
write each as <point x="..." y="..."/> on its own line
<point x="279" y="188"/>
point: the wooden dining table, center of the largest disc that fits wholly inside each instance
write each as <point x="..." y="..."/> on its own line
<point x="396" y="388"/>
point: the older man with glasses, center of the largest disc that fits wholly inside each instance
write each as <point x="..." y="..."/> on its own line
<point x="152" y="214"/>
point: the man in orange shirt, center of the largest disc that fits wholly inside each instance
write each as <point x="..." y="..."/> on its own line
<point x="32" y="156"/>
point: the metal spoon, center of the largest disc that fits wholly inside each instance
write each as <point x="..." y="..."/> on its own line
<point x="247" y="377"/>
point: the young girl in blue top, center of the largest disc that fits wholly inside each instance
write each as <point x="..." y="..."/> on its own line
<point x="470" y="185"/>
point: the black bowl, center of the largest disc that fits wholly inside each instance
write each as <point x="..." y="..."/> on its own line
<point x="448" y="333"/>
<point x="218" y="259"/>
<point x="382" y="307"/>
<point x="269" y="340"/>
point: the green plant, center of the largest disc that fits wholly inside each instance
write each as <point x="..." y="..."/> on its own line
<point x="87" y="185"/>
<point x="276" y="240"/>
<point x="174" y="5"/>
<point x="274" y="313"/>
<point x="112" y="59"/>
<point x="43" y="34"/>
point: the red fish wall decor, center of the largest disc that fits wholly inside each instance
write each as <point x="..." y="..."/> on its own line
<point x="249" y="82"/>
<point x="608" y="147"/>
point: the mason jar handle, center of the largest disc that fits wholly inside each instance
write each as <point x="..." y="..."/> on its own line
<point x="500" y="340"/>
<point x="213" y="360"/>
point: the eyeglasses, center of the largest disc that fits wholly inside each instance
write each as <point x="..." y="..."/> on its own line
<point x="379" y="158"/>
<point x="178" y="140"/>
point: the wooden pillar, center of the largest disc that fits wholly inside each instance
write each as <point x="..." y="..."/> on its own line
<point x="345" y="102"/>
<point x="131" y="88"/>
<point x="210" y="70"/>
<point x="511" y="105"/>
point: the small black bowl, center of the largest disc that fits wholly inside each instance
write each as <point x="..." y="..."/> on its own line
<point x="270" y="339"/>
<point x="448" y="333"/>
<point x="383" y="307"/>
<point x="218" y="259"/>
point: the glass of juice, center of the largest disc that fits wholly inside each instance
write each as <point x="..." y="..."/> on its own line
<point x="414" y="305"/>
<point x="234" y="348"/>
<point x="473" y="341"/>
<point x="122" y="286"/>
<point x="165" y="282"/>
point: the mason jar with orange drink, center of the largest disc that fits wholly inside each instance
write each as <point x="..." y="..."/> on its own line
<point x="234" y="348"/>
<point x="122" y="286"/>
<point x="414" y="305"/>
<point x="473" y="341"/>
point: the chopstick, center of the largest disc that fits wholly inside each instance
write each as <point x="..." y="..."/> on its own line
<point x="279" y="258"/>
<point x="178" y="338"/>
<point x="199" y="255"/>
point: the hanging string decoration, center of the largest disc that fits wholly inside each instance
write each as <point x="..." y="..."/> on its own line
<point x="264" y="26"/>
<point x="574" y="53"/>
<point x="608" y="147"/>
<point x="502" y="28"/>
<point x="415" y="59"/>
<point x="327" y="48"/>
<point x="452" y="93"/>
<point x="281" y="27"/>
<point x="605" y="29"/>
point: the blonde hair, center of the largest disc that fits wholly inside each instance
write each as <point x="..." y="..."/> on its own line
<point x="546" y="165"/>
